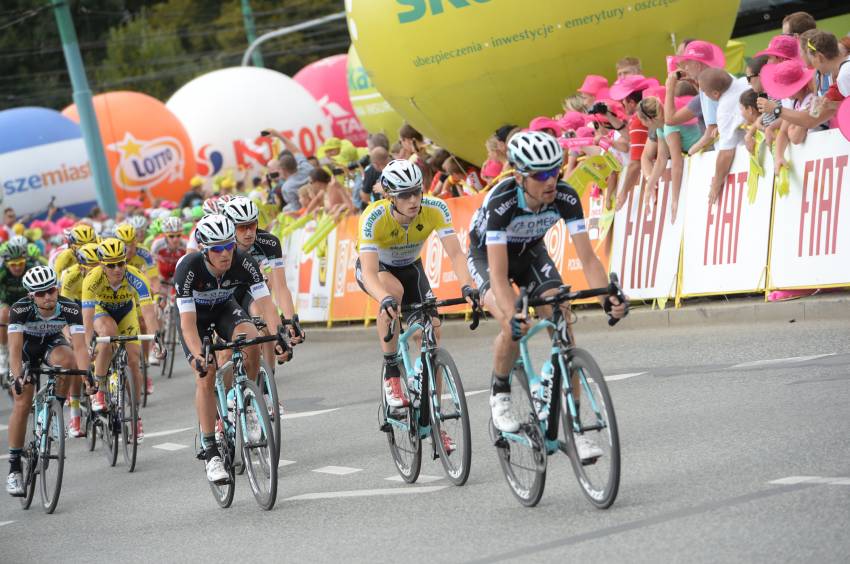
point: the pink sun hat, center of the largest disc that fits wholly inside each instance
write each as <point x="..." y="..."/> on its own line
<point x="783" y="46"/>
<point x="703" y="52"/>
<point x="543" y="122"/>
<point x="593" y="84"/>
<point x="572" y="120"/>
<point x="843" y="118"/>
<point x="783" y="80"/>
<point x="629" y="84"/>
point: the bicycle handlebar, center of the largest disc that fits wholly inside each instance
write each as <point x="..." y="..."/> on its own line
<point x="240" y="342"/>
<point x="613" y="290"/>
<point x="124" y="338"/>
<point x="435" y="304"/>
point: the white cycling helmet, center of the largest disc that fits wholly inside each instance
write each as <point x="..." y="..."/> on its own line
<point x="400" y="176"/>
<point x="171" y="225"/>
<point x="210" y="205"/>
<point x="39" y="278"/>
<point x="214" y="229"/>
<point x="241" y="210"/>
<point x="139" y="222"/>
<point x="17" y="245"/>
<point x="533" y="151"/>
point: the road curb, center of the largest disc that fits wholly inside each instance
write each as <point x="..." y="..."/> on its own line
<point x="713" y="312"/>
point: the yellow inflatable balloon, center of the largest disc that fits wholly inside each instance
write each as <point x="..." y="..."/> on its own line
<point x="459" y="69"/>
<point x="373" y="111"/>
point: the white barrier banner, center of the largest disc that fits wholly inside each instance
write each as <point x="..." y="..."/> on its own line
<point x="314" y="276"/>
<point x="811" y="228"/>
<point x="725" y="246"/>
<point x="645" y="252"/>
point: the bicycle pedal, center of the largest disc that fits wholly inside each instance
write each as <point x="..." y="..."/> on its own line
<point x="500" y="442"/>
<point x="386" y="428"/>
<point x="589" y="461"/>
<point x="223" y="482"/>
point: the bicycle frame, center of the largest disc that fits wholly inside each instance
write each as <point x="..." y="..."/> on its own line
<point x="239" y="375"/>
<point x="40" y="404"/>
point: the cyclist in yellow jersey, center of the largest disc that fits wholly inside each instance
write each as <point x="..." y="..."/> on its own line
<point x="392" y="233"/>
<point x="72" y="289"/>
<point x="112" y="292"/>
<point x="81" y="234"/>
<point x="127" y="233"/>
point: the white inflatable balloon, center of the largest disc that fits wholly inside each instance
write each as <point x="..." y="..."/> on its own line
<point x="224" y="112"/>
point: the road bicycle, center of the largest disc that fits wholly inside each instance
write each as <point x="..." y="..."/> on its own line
<point x="243" y="424"/>
<point x="569" y="389"/>
<point x="118" y="424"/>
<point x="44" y="455"/>
<point x="169" y="317"/>
<point x="443" y="414"/>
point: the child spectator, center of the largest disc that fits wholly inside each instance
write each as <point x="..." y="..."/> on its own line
<point x="628" y="66"/>
<point x="497" y="159"/>
<point x="751" y="115"/>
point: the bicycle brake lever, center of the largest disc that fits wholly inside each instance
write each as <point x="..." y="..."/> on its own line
<point x="390" y="332"/>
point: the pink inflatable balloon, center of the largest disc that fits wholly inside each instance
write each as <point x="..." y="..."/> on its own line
<point x="327" y="81"/>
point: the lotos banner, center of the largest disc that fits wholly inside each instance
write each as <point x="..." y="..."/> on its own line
<point x="810" y="244"/>
<point x="725" y="246"/>
<point x="645" y="250"/>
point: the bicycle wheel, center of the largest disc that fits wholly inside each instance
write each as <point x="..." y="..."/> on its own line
<point x="267" y="385"/>
<point x="522" y="455"/>
<point x="450" y="416"/>
<point x="599" y="477"/>
<point x="129" y="417"/>
<point x="224" y="492"/>
<point x="258" y="448"/>
<point x="29" y="471"/>
<point x="402" y="431"/>
<point x="111" y="425"/>
<point x="52" y="457"/>
<point x="143" y="363"/>
<point x="88" y="422"/>
<point x="169" y="341"/>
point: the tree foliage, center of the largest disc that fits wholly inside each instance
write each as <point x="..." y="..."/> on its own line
<point x="151" y="46"/>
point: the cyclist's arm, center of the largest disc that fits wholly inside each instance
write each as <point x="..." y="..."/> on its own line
<point x="149" y="315"/>
<point x="77" y="331"/>
<point x="81" y="353"/>
<point x="497" y="260"/>
<point x="281" y="293"/>
<point x="189" y="328"/>
<point x="88" y="322"/>
<point x="594" y="271"/>
<point x="15" y="343"/>
<point x="452" y="247"/>
<point x="268" y="311"/>
<point x="369" y="269"/>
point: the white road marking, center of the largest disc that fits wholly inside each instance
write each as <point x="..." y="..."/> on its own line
<point x="307" y="413"/>
<point x="281" y="463"/>
<point x="170" y="446"/>
<point x="366" y="493"/>
<point x="337" y="470"/>
<point x="169" y="432"/>
<point x="616" y="377"/>
<point x="423" y="479"/>
<point x="832" y="481"/>
<point x="467" y="394"/>
<point x="4" y="457"/>
<point x="4" y="523"/>
<point x="789" y="360"/>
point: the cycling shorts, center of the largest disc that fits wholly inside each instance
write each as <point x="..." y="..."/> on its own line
<point x="37" y="351"/>
<point x="223" y="320"/>
<point x="412" y="277"/>
<point x="127" y="318"/>
<point x="533" y="269"/>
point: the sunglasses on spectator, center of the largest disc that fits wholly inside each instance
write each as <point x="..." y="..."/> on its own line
<point x="42" y="293"/>
<point x="221" y="248"/>
<point x="246" y="226"/>
<point x="174" y="235"/>
<point x="16" y="262"/>
<point x="750" y="77"/>
<point x="113" y="265"/>
<point x="544" y="175"/>
<point x="408" y="195"/>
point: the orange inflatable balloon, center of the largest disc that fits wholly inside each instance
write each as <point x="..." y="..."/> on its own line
<point x="146" y="145"/>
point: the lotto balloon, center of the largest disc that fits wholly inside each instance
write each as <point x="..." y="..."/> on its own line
<point x="373" y="111"/>
<point x="459" y="69"/>
<point x="146" y="145"/>
<point x="224" y="112"/>
<point x="327" y="82"/>
<point x="42" y="157"/>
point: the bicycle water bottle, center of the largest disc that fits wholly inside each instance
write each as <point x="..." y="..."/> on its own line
<point x="542" y="393"/>
<point x="231" y="405"/>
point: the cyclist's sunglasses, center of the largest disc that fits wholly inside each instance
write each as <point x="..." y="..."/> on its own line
<point x="246" y="226"/>
<point x="111" y="265"/>
<point x="221" y="248"/>
<point x="48" y="292"/>
<point x="407" y="195"/>
<point x="174" y="235"/>
<point x="16" y="262"/>
<point x="544" y="175"/>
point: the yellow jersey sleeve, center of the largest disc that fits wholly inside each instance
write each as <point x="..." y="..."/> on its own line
<point x="139" y="282"/>
<point x="93" y="285"/>
<point x="72" y="283"/>
<point x="64" y="260"/>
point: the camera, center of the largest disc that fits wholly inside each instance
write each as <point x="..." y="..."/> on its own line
<point x="274" y="175"/>
<point x="264" y="133"/>
<point x="680" y="74"/>
<point x="598" y="108"/>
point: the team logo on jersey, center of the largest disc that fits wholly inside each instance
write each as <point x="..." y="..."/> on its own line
<point x="144" y="164"/>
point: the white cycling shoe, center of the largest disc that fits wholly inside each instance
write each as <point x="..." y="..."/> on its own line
<point x="15" y="484"/>
<point x="215" y="470"/>
<point x="586" y="447"/>
<point x="500" y="411"/>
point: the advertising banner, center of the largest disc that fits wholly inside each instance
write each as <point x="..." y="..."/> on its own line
<point x="725" y="245"/>
<point x="810" y="244"/>
<point x="349" y="301"/>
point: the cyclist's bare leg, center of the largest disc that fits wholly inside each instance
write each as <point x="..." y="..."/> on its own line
<point x="250" y="354"/>
<point x="268" y="348"/>
<point x="133" y="351"/>
<point x="18" y="418"/>
<point x="205" y="400"/>
<point x="63" y="356"/>
<point x="104" y="326"/>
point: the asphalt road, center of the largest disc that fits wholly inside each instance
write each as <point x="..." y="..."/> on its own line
<point x="734" y="443"/>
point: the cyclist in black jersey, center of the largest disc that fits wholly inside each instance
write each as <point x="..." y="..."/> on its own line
<point x="15" y="263"/>
<point x="209" y="286"/>
<point x="36" y="324"/>
<point x="506" y="245"/>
